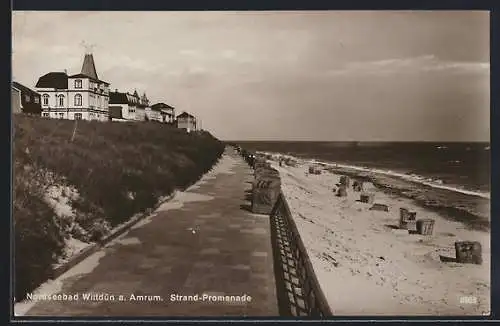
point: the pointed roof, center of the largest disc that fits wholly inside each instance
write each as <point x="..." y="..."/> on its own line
<point x="88" y="67"/>
<point x="135" y="93"/>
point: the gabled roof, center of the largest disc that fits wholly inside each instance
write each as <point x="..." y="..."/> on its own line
<point x="24" y="89"/>
<point x="185" y="115"/>
<point x="118" y="98"/>
<point x="162" y="106"/>
<point x="57" y="80"/>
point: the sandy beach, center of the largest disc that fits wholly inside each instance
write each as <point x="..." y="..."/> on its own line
<point x="366" y="266"/>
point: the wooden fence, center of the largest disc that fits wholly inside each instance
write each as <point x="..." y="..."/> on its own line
<point x="298" y="290"/>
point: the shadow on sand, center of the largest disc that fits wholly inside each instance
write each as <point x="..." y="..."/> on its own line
<point x="447" y="259"/>
<point x="246" y="207"/>
<point x="392" y="226"/>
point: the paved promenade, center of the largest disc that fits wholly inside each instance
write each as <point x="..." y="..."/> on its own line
<point x="204" y="241"/>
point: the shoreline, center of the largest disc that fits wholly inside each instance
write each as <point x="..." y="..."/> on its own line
<point x="457" y="205"/>
<point x="367" y="266"/>
<point x="418" y="179"/>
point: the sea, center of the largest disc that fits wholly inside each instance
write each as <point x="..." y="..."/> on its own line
<point x="450" y="176"/>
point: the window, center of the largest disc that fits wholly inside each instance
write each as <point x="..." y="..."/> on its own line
<point x="37" y="100"/>
<point x="61" y="115"/>
<point x="78" y="116"/>
<point x="45" y="99"/>
<point x="60" y="100"/>
<point x="78" y="100"/>
<point x="46" y="115"/>
<point x="27" y="98"/>
<point x="78" y="83"/>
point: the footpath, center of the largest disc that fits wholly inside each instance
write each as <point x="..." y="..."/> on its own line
<point x="203" y="242"/>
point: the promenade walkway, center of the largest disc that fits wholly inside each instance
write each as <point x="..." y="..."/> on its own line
<point x="204" y="241"/>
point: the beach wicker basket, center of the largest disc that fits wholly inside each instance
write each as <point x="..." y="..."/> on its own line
<point x="314" y="170"/>
<point x="404" y="216"/>
<point x="366" y="198"/>
<point x="357" y="186"/>
<point x="425" y="226"/>
<point x="468" y="252"/>
<point x="411" y="226"/>
<point x="342" y="191"/>
<point x="344" y="180"/>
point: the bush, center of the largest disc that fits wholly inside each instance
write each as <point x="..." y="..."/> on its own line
<point x="119" y="169"/>
<point x="39" y="240"/>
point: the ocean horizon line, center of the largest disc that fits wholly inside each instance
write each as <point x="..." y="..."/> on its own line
<point x="362" y="141"/>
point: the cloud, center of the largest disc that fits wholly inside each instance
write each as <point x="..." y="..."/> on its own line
<point x="414" y="64"/>
<point x="190" y="53"/>
<point x="229" y="54"/>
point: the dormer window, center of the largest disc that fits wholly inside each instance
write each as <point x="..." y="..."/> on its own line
<point x="78" y="83"/>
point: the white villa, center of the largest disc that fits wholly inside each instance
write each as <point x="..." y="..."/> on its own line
<point x="81" y="96"/>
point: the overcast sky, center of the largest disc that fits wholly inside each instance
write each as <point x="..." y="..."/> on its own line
<point x="328" y="75"/>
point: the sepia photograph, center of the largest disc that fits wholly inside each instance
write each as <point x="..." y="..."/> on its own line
<point x="251" y="164"/>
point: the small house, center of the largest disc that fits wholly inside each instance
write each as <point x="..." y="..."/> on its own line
<point x="186" y="121"/>
<point x="25" y="100"/>
<point x="167" y="112"/>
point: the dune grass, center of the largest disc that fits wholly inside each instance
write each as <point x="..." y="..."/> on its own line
<point x="119" y="169"/>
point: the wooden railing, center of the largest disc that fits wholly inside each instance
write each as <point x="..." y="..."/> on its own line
<point x="299" y="292"/>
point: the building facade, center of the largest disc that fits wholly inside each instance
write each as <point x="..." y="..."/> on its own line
<point x="186" y="121"/>
<point x="167" y="112"/>
<point x="132" y="106"/>
<point x="81" y="96"/>
<point x="25" y="100"/>
<point x="153" y="114"/>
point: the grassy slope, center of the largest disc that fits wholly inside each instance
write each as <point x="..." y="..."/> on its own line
<point x="118" y="168"/>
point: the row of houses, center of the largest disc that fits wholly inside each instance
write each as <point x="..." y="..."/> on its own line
<point x="84" y="96"/>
